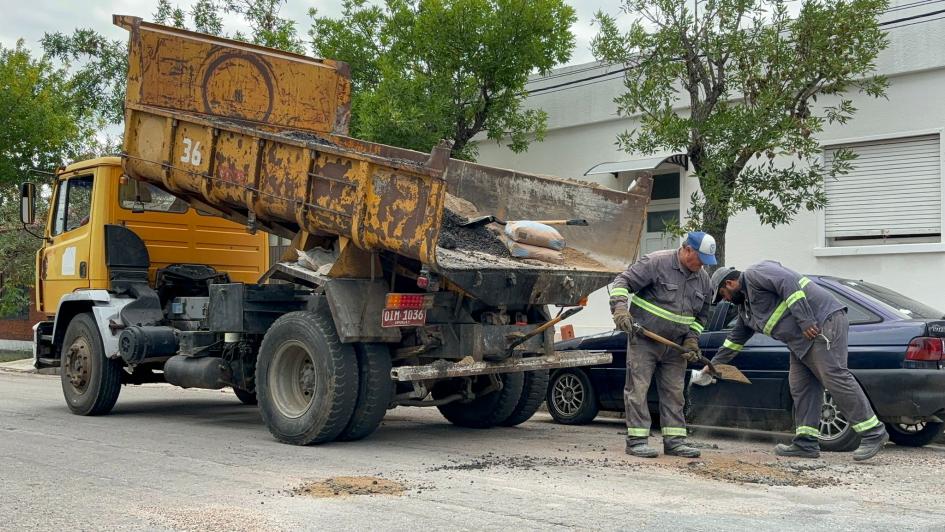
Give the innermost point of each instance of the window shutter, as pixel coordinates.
(895, 189)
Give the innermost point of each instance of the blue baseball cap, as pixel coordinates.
(704, 245)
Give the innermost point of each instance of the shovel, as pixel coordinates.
(724, 372)
(482, 220)
(517, 338)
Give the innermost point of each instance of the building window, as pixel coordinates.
(892, 196)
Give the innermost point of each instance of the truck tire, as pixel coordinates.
(534, 387)
(918, 435)
(247, 398)
(485, 411)
(571, 398)
(91, 382)
(306, 379)
(375, 390)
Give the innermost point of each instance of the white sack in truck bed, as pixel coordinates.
(535, 234)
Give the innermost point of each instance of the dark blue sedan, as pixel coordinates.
(897, 353)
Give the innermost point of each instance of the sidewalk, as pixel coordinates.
(16, 345)
(20, 366)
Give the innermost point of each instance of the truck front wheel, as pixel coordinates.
(306, 379)
(90, 381)
(486, 410)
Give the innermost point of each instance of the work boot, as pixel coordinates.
(797, 451)
(871, 445)
(640, 449)
(680, 448)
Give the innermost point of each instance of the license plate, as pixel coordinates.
(403, 317)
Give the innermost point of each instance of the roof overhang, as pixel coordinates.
(637, 165)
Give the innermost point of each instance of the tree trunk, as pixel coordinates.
(715, 222)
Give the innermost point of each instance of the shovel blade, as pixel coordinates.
(730, 373)
(479, 220)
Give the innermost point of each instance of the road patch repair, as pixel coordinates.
(350, 486)
(770, 473)
(735, 468)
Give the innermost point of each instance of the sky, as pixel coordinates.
(30, 19)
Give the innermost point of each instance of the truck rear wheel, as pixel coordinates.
(247, 398)
(534, 387)
(375, 390)
(306, 379)
(484, 411)
(91, 382)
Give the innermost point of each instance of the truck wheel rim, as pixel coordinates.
(833, 424)
(568, 394)
(78, 364)
(292, 379)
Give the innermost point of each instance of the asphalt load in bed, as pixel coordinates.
(476, 238)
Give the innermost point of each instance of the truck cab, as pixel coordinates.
(102, 223)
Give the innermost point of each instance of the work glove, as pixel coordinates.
(692, 344)
(623, 320)
(701, 377)
(692, 356)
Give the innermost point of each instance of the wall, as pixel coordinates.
(21, 329)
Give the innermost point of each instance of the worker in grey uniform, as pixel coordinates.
(787, 306)
(670, 296)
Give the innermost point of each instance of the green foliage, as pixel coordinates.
(96, 66)
(42, 118)
(169, 16)
(268, 28)
(206, 17)
(45, 125)
(424, 70)
(18, 248)
(747, 75)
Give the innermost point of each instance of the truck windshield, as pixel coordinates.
(908, 308)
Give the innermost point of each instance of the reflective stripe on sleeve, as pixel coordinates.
(696, 326)
(782, 308)
(619, 292)
(728, 344)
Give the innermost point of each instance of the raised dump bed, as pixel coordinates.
(259, 136)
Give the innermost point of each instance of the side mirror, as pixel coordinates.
(27, 203)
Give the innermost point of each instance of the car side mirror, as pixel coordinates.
(27, 203)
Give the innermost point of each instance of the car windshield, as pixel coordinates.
(908, 308)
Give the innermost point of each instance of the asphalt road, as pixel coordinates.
(171, 459)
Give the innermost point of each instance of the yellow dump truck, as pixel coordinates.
(156, 265)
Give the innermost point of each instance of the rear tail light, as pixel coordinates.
(408, 301)
(926, 349)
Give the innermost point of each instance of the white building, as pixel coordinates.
(884, 221)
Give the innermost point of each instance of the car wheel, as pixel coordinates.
(571, 398)
(914, 435)
(836, 432)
